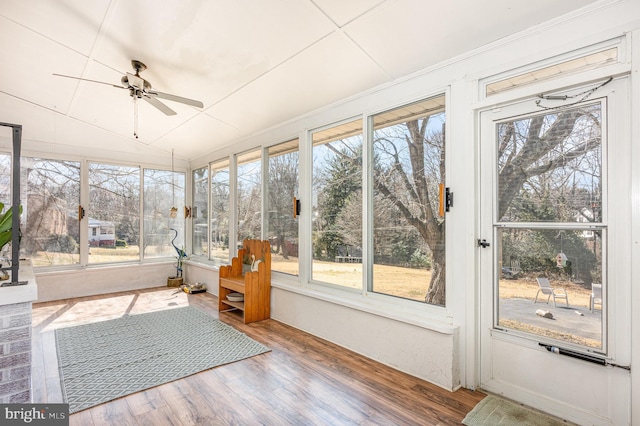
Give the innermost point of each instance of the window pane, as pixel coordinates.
(249, 198)
(199, 212)
(337, 205)
(163, 190)
(50, 199)
(5, 180)
(5, 197)
(550, 167)
(282, 226)
(572, 66)
(114, 213)
(220, 211)
(408, 231)
(571, 260)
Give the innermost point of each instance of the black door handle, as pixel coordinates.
(483, 243)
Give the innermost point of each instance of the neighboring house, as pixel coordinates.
(101, 233)
(585, 216)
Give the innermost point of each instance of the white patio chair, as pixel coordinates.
(596, 296)
(545, 288)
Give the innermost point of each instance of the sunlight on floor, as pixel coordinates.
(107, 308)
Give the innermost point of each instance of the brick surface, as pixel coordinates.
(17, 360)
(20, 346)
(15, 386)
(16, 308)
(19, 372)
(15, 334)
(20, 320)
(21, 397)
(15, 353)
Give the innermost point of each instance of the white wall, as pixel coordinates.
(101, 279)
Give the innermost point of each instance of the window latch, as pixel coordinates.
(80, 213)
(446, 199)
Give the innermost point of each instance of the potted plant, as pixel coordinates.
(177, 280)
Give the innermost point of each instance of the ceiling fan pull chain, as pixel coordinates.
(135, 118)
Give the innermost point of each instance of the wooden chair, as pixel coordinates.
(545, 288)
(254, 285)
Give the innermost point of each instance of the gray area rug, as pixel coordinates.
(496, 411)
(103, 361)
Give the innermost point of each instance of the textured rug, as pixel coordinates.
(496, 411)
(103, 361)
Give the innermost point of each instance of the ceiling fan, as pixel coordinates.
(139, 88)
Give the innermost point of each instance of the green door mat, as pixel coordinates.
(496, 411)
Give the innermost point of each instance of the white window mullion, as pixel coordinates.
(84, 202)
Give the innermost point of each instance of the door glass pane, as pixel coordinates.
(282, 226)
(113, 213)
(571, 263)
(249, 196)
(220, 211)
(163, 190)
(200, 212)
(337, 205)
(550, 171)
(408, 167)
(50, 198)
(549, 166)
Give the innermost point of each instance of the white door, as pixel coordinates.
(554, 204)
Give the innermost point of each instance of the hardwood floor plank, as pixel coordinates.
(302, 380)
(115, 412)
(145, 401)
(83, 418)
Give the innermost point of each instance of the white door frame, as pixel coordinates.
(518, 367)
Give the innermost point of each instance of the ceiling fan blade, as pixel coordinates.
(156, 103)
(175, 98)
(92, 81)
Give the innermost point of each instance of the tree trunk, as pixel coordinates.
(436, 293)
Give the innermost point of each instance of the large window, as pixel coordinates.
(249, 196)
(163, 191)
(337, 205)
(200, 212)
(408, 223)
(114, 207)
(282, 225)
(50, 196)
(220, 211)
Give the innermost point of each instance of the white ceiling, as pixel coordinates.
(253, 63)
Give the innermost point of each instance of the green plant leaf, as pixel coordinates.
(6, 224)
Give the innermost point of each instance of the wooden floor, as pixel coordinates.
(304, 380)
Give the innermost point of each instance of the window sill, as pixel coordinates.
(203, 263)
(425, 316)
